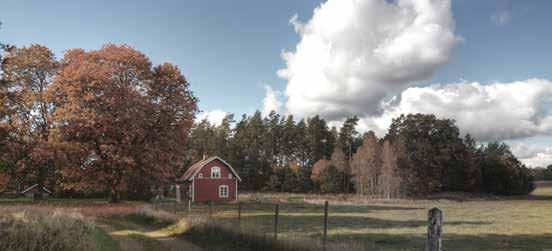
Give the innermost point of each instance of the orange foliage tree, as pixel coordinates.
(26, 122)
(127, 121)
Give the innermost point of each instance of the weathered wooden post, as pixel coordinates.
(210, 209)
(434, 229)
(276, 212)
(189, 206)
(239, 212)
(325, 223)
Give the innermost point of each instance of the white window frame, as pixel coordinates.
(230, 176)
(215, 170)
(221, 195)
(200, 176)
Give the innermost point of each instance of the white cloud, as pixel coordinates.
(533, 156)
(497, 111)
(214, 117)
(502, 17)
(271, 101)
(354, 53)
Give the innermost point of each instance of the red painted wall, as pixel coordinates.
(207, 188)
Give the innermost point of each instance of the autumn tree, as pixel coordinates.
(318, 168)
(26, 123)
(390, 180)
(129, 119)
(366, 166)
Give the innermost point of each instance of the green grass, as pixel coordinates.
(19, 200)
(104, 242)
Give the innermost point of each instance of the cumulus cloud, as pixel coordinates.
(502, 17)
(354, 53)
(214, 117)
(497, 111)
(271, 101)
(533, 155)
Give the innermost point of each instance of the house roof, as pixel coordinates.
(33, 186)
(194, 169)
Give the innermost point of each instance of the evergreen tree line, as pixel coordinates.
(420, 154)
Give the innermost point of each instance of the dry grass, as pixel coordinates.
(86, 207)
(471, 223)
(34, 229)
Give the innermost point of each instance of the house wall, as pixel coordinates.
(207, 188)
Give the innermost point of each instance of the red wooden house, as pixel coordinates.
(211, 179)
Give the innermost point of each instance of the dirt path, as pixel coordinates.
(132, 236)
(125, 242)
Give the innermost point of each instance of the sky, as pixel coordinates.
(486, 64)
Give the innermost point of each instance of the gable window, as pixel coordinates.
(229, 175)
(215, 172)
(200, 175)
(223, 191)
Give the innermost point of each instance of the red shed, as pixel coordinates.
(211, 179)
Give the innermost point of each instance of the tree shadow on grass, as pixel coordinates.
(452, 241)
(314, 223)
(310, 208)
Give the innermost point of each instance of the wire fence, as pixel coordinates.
(286, 220)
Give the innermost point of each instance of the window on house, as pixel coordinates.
(223, 191)
(200, 175)
(229, 175)
(215, 172)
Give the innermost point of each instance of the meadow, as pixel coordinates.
(470, 223)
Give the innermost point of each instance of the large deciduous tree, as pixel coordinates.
(129, 121)
(26, 122)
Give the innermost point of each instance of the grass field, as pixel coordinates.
(470, 223)
(485, 223)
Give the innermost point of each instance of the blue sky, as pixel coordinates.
(231, 50)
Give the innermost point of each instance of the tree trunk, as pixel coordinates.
(114, 195)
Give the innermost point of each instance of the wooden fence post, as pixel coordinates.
(434, 229)
(189, 206)
(177, 187)
(239, 212)
(276, 212)
(325, 223)
(210, 209)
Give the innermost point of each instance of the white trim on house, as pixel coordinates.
(29, 188)
(33, 186)
(193, 190)
(221, 193)
(221, 160)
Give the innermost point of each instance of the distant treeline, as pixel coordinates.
(420, 154)
(541, 173)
